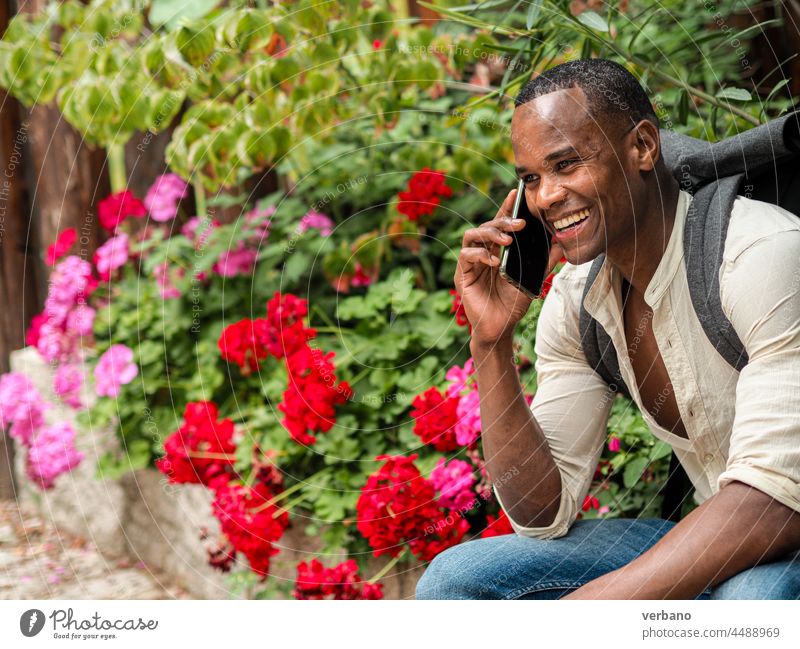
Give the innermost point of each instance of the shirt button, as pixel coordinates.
(691, 412)
(708, 457)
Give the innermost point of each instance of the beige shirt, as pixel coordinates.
(741, 426)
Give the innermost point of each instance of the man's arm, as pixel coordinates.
(513, 442)
(754, 516)
(732, 531)
(554, 444)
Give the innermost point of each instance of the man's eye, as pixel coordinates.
(564, 163)
(528, 179)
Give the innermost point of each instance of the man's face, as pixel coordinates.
(574, 165)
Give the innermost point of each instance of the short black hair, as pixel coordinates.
(614, 94)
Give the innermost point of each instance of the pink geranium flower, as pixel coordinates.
(454, 480)
(114, 369)
(111, 255)
(468, 426)
(80, 320)
(316, 220)
(163, 197)
(458, 378)
(21, 406)
(52, 453)
(239, 261)
(68, 383)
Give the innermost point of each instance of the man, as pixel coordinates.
(586, 143)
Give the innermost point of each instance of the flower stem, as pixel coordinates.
(391, 564)
(289, 506)
(287, 492)
(115, 156)
(200, 199)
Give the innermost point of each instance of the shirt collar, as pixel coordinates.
(609, 280)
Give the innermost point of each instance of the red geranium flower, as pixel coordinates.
(497, 525)
(458, 309)
(61, 247)
(436, 418)
(249, 523)
(201, 449)
(422, 197)
(32, 336)
(310, 401)
(590, 502)
(315, 581)
(398, 506)
(115, 208)
(243, 343)
(548, 281)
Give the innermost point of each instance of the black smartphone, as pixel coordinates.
(524, 260)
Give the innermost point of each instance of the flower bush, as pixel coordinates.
(306, 358)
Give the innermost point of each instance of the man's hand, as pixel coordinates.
(493, 305)
(732, 531)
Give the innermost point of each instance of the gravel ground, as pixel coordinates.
(38, 562)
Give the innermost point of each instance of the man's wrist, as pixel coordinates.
(503, 347)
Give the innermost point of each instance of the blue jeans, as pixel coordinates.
(515, 567)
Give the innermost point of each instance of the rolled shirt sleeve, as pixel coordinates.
(760, 292)
(571, 403)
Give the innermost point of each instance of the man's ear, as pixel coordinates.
(647, 143)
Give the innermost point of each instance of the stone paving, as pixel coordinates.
(38, 562)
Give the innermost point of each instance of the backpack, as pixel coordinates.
(762, 163)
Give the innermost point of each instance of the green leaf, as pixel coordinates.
(533, 13)
(734, 94)
(593, 21)
(169, 12)
(634, 470)
(660, 449)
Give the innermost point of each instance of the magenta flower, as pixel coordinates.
(111, 255)
(613, 444)
(68, 383)
(21, 406)
(114, 369)
(316, 220)
(198, 230)
(163, 197)
(69, 282)
(52, 453)
(454, 481)
(458, 378)
(259, 220)
(80, 320)
(468, 426)
(239, 261)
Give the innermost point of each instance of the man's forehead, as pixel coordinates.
(554, 117)
(561, 111)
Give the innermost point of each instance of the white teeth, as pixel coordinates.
(569, 220)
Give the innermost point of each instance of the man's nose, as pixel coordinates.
(549, 192)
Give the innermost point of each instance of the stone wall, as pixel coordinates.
(141, 517)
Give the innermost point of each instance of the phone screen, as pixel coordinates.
(524, 260)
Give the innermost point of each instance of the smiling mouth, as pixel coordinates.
(572, 221)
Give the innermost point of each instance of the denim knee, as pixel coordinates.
(448, 576)
(777, 580)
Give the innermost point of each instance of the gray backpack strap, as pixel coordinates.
(597, 344)
(703, 244)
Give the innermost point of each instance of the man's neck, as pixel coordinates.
(637, 262)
